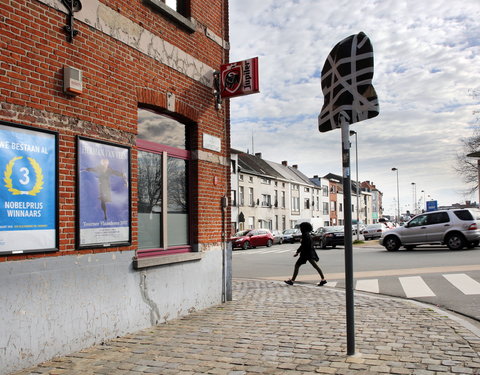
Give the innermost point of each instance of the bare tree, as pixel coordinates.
(467, 166)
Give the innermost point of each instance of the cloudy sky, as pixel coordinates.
(427, 62)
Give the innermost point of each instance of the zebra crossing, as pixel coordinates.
(410, 286)
(416, 286)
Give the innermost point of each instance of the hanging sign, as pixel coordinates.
(28, 198)
(239, 78)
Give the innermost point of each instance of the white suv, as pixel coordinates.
(455, 228)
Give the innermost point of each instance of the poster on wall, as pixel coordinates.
(103, 202)
(28, 186)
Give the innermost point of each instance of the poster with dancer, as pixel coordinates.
(28, 189)
(103, 194)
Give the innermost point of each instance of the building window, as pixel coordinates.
(333, 206)
(250, 179)
(266, 200)
(163, 162)
(325, 208)
(177, 11)
(283, 199)
(241, 196)
(250, 197)
(307, 203)
(266, 181)
(295, 203)
(240, 177)
(325, 190)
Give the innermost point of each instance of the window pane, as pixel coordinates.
(172, 4)
(177, 218)
(149, 200)
(161, 129)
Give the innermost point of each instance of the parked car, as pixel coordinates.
(374, 231)
(328, 236)
(252, 238)
(288, 235)
(297, 235)
(277, 237)
(456, 228)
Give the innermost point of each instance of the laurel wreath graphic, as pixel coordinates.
(38, 174)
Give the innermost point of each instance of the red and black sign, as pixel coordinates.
(239, 78)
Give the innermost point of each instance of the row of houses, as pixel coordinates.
(275, 196)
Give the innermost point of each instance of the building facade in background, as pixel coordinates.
(276, 196)
(115, 170)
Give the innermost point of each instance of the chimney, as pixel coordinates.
(295, 166)
(316, 176)
(285, 163)
(258, 155)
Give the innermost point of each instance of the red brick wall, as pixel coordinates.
(116, 78)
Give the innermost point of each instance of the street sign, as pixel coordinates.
(432, 206)
(349, 97)
(239, 78)
(347, 83)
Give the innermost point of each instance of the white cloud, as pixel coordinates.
(427, 58)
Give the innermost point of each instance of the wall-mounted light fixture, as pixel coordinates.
(72, 7)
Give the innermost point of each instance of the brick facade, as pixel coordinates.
(132, 53)
(116, 79)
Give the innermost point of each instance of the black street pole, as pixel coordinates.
(347, 204)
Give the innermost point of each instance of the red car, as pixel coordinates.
(249, 238)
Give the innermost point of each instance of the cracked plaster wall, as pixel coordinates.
(112, 23)
(57, 305)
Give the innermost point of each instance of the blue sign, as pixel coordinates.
(432, 206)
(27, 190)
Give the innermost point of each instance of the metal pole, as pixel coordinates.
(347, 202)
(478, 187)
(358, 187)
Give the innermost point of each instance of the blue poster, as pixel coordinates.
(27, 190)
(104, 204)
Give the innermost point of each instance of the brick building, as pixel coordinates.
(115, 170)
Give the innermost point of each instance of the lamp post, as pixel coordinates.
(398, 196)
(414, 185)
(353, 132)
(424, 201)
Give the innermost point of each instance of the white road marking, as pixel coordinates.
(464, 283)
(368, 285)
(414, 286)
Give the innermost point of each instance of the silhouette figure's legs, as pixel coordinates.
(315, 265)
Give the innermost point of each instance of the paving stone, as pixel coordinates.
(250, 335)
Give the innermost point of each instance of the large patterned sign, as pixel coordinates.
(103, 194)
(347, 84)
(28, 190)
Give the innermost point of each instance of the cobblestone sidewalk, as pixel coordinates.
(271, 328)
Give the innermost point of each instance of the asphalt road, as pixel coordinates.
(435, 275)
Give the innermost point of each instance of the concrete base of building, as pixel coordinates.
(53, 306)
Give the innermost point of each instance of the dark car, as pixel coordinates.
(288, 235)
(246, 239)
(328, 236)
